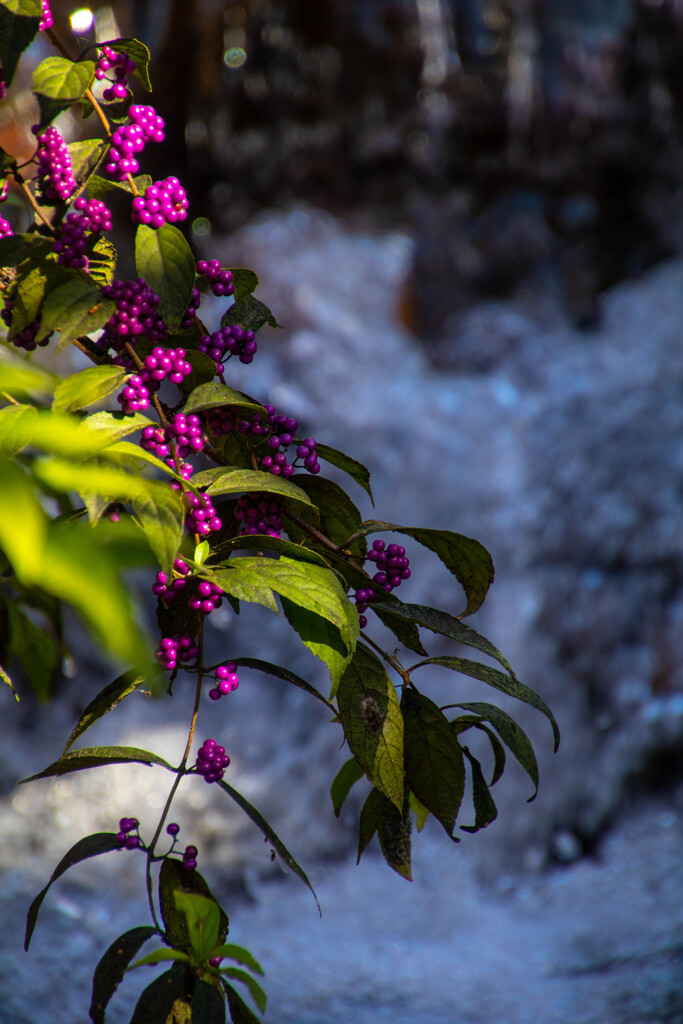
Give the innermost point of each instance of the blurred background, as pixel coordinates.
(468, 216)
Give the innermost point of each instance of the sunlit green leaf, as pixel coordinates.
(82, 389)
(215, 395)
(58, 83)
(174, 878)
(203, 921)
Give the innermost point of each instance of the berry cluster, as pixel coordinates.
(208, 597)
(220, 281)
(233, 340)
(135, 395)
(136, 314)
(174, 649)
(26, 338)
(211, 761)
(166, 590)
(46, 21)
(192, 307)
(219, 421)
(201, 516)
(5, 228)
(259, 513)
(54, 180)
(392, 563)
(282, 430)
(93, 216)
(190, 858)
(146, 126)
(226, 680)
(186, 432)
(123, 837)
(123, 65)
(164, 201)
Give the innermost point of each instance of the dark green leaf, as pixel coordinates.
(105, 701)
(270, 835)
(348, 465)
(165, 260)
(214, 395)
(90, 846)
(402, 628)
(75, 307)
(140, 54)
(112, 967)
(58, 83)
(250, 313)
(96, 757)
(260, 542)
(512, 735)
(372, 722)
(347, 776)
(208, 1004)
(82, 389)
(245, 282)
(484, 807)
(255, 990)
(283, 673)
(239, 1011)
(203, 371)
(393, 832)
(85, 156)
(16, 248)
(98, 187)
(203, 921)
(433, 759)
(173, 878)
(370, 817)
(499, 681)
(339, 517)
(156, 1003)
(19, 23)
(37, 651)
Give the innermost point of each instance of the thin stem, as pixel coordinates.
(19, 178)
(394, 662)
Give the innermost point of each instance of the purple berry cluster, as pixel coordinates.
(125, 840)
(46, 21)
(171, 650)
(186, 432)
(190, 858)
(5, 228)
(220, 281)
(93, 216)
(259, 513)
(163, 202)
(55, 180)
(169, 590)
(136, 314)
(201, 516)
(208, 597)
(25, 338)
(282, 430)
(122, 65)
(211, 761)
(135, 395)
(226, 680)
(191, 311)
(128, 140)
(219, 421)
(229, 341)
(393, 568)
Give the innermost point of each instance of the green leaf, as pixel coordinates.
(74, 308)
(203, 921)
(23, 548)
(433, 759)
(159, 998)
(112, 968)
(240, 955)
(101, 255)
(6, 679)
(201, 552)
(36, 650)
(58, 83)
(28, 296)
(90, 846)
(421, 812)
(261, 542)
(208, 1004)
(270, 835)
(403, 629)
(158, 956)
(109, 427)
(161, 512)
(339, 517)
(89, 386)
(215, 395)
(17, 375)
(105, 701)
(174, 878)
(239, 1011)
(465, 558)
(485, 810)
(16, 248)
(96, 757)
(245, 282)
(241, 586)
(140, 54)
(283, 673)
(347, 776)
(165, 260)
(393, 832)
(321, 637)
(512, 735)
(85, 156)
(511, 686)
(255, 990)
(249, 313)
(228, 480)
(344, 462)
(19, 23)
(372, 722)
(370, 817)
(465, 722)
(98, 187)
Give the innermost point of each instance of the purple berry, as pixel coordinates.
(173, 829)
